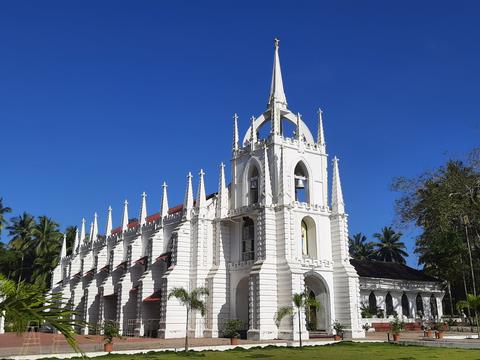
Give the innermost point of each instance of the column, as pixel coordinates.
(412, 303)
(397, 302)
(380, 296)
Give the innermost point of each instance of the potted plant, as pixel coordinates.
(397, 326)
(366, 327)
(427, 329)
(231, 331)
(439, 329)
(110, 330)
(338, 330)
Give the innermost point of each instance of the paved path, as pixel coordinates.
(38, 345)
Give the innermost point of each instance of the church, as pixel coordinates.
(268, 233)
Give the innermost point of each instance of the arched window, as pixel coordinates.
(405, 306)
(433, 306)
(309, 238)
(248, 239)
(389, 304)
(419, 302)
(253, 185)
(304, 238)
(301, 183)
(372, 303)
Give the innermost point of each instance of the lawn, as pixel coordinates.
(341, 351)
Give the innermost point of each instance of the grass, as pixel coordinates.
(340, 351)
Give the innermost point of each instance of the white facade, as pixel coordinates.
(270, 234)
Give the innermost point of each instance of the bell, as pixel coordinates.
(299, 183)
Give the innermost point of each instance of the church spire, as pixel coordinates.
(63, 251)
(90, 235)
(76, 244)
(201, 196)
(108, 229)
(188, 202)
(95, 228)
(277, 94)
(82, 231)
(338, 206)
(297, 130)
(267, 186)
(143, 209)
(320, 133)
(235, 132)
(222, 199)
(125, 216)
(164, 207)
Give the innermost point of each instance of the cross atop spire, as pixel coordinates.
(277, 94)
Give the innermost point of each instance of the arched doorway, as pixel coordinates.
(419, 303)
(318, 319)
(405, 306)
(242, 304)
(372, 303)
(433, 306)
(389, 305)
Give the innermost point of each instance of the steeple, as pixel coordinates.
(125, 216)
(188, 202)
(253, 133)
(76, 245)
(202, 200)
(267, 187)
(95, 228)
(143, 210)
(90, 235)
(108, 228)
(277, 94)
(63, 251)
(338, 206)
(82, 231)
(320, 133)
(235, 132)
(297, 131)
(164, 207)
(222, 198)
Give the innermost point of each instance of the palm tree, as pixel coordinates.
(300, 303)
(389, 246)
(21, 231)
(70, 233)
(3, 210)
(47, 236)
(192, 301)
(472, 302)
(24, 303)
(359, 248)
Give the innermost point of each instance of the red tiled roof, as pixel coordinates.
(156, 216)
(153, 217)
(156, 296)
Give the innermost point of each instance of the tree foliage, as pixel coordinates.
(445, 205)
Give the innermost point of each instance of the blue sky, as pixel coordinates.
(100, 101)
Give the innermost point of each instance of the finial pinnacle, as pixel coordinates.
(235, 116)
(276, 41)
(201, 173)
(189, 175)
(164, 184)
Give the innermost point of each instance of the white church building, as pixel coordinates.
(269, 233)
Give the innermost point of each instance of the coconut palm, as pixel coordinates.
(192, 300)
(70, 233)
(3, 210)
(300, 303)
(47, 236)
(21, 231)
(25, 303)
(389, 247)
(472, 302)
(359, 248)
